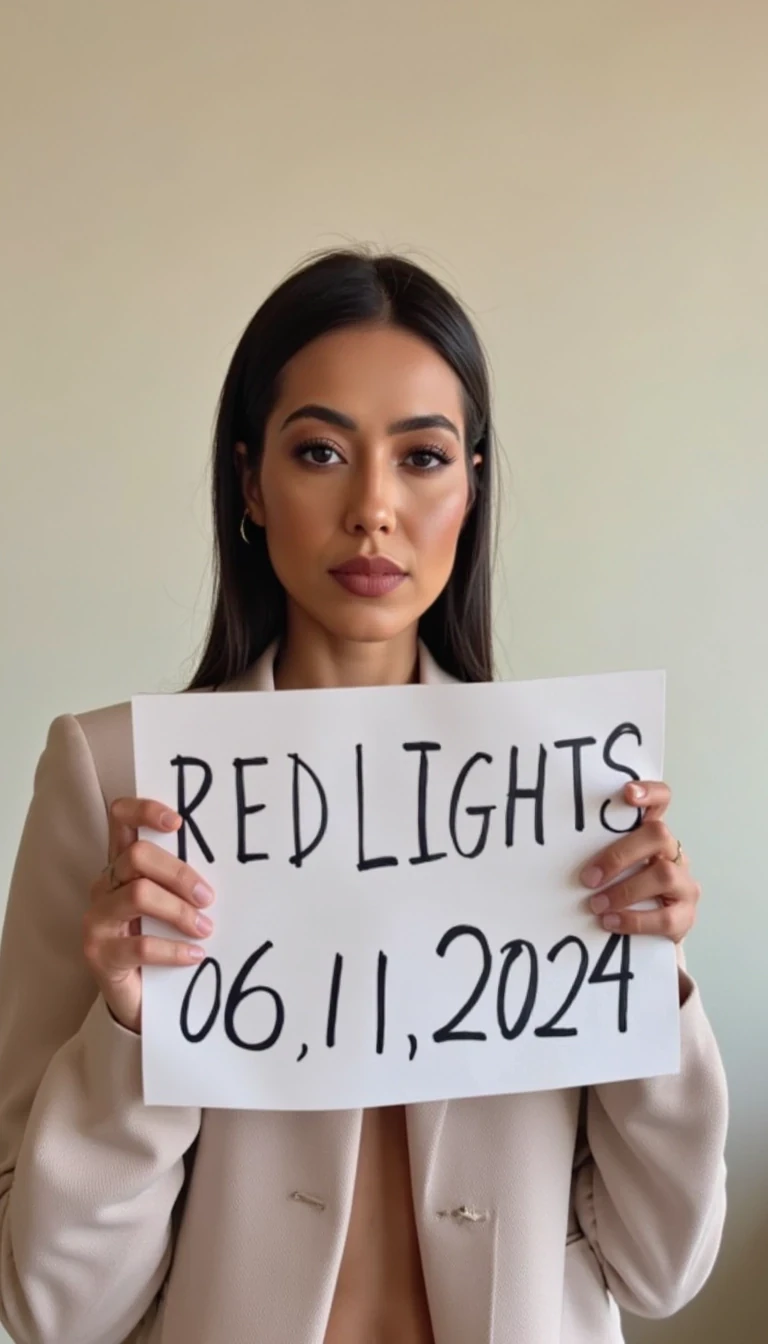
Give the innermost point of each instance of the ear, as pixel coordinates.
(249, 483)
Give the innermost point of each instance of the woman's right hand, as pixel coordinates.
(141, 879)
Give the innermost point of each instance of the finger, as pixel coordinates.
(651, 839)
(123, 954)
(144, 899)
(652, 795)
(660, 878)
(673, 921)
(144, 859)
(126, 815)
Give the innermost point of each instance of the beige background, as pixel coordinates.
(592, 177)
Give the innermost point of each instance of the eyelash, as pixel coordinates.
(436, 453)
(302, 449)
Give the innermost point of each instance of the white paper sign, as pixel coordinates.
(398, 913)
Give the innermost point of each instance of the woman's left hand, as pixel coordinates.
(665, 876)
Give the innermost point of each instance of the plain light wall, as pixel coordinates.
(591, 176)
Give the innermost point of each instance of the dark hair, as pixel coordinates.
(341, 289)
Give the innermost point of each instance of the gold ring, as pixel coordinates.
(679, 855)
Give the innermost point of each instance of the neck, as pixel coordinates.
(311, 658)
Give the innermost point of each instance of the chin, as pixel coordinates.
(368, 627)
(364, 620)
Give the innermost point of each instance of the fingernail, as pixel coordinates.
(195, 953)
(599, 904)
(167, 821)
(202, 893)
(637, 791)
(592, 877)
(611, 922)
(203, 924)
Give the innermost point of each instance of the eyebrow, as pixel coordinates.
(312, 411)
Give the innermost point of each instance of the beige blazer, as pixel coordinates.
(98, 1248)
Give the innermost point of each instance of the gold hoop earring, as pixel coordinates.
(242, 528)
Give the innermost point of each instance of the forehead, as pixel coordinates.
(372, 373)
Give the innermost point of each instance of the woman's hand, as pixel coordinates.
(141, 879)
(665, 875)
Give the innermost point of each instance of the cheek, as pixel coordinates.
(292, 515)
(435, 530)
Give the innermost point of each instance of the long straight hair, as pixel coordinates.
(334, 290)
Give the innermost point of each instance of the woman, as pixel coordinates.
(353, 442)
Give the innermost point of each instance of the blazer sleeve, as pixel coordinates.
(650, 1196)
(88, 1175)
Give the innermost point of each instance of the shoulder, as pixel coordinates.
(107, 735)
(91, 751)
(106, 730)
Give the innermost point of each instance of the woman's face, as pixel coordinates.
(362, 486)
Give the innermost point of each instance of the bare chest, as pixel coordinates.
(380, 1295)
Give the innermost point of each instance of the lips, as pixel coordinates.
(369, 575)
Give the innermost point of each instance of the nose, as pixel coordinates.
(371, 505)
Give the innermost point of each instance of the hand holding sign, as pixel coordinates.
(399, 912)
(662, 877)
(140, 880)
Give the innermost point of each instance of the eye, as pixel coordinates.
(428, 458)
(318, 453)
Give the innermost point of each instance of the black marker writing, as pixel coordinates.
(333, 1002)
(363, 864)
(536, 793)
(423, 855)
(381, 1002)
(623, 730)
(244, 809)
(299, 853)
(526, 988)
(576, 744)
(484, 812)
(186, 809)
(237, 995)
